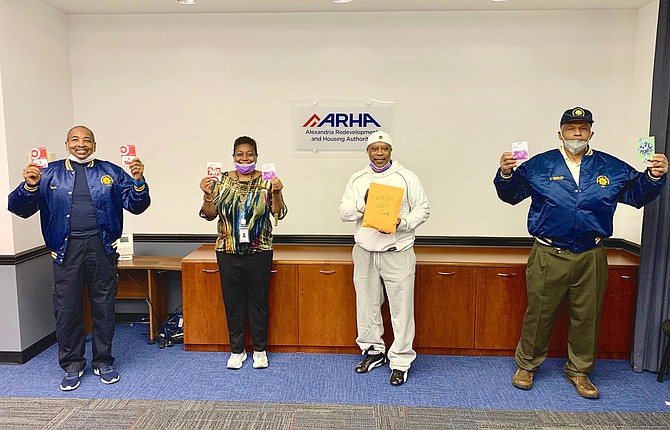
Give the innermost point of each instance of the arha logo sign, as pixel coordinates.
(341, 119)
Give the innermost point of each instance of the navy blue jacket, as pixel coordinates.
(575, 217)
(112, 190)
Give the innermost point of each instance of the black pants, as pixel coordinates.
(245, 283)
(86, 263)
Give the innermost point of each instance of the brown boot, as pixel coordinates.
(523, 379)
(584, 387)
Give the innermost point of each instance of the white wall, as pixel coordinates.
(36, 96)
(467, 84)
(36, 103)
(6, 233)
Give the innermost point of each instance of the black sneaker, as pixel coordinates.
(398, 377)
(370, 361)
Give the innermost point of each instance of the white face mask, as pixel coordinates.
(575, 146)
(84, 161)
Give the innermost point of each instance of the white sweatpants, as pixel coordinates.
(395, 271)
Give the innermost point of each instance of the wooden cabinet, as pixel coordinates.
(468, 301)
(283, 302)
(619, 307)
(205, 327)
(501, 305)
(327, 306)
(617, 321)
(444, 307)
(507, 307)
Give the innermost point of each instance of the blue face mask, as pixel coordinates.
(245, 169)
(380, 169)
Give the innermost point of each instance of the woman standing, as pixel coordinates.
(244, 203)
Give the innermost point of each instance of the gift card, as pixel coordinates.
(39, 157)
(128, 153)
(520, 151)
(214, 170)
(269, 171)
(646, 148)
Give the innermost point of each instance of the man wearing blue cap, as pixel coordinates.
(574, 192)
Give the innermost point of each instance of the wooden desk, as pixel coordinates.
(140, 279)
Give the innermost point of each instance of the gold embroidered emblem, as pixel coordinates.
(106, 180)
(556, 178)
(577, 112)
(603, 181)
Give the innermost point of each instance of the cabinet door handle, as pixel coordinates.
(446, 273)
(626, 277)
(210, 270)
(507, 275)
(327, 272)
(274, 271)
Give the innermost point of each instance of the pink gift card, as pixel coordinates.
(214, 170)
(269, 171)
(39, 157)
(128, 153)
(520, 151)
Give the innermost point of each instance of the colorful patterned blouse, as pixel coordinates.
(244, 203)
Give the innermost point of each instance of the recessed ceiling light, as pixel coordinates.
(498, 0)
(187, 1)
(341, 1)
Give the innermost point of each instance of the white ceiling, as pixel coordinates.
(79, 7)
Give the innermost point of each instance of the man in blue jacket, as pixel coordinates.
(574, 192)
(81, 201)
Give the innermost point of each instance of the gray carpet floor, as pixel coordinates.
(112, 414)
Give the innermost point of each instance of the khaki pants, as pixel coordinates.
(550, 275)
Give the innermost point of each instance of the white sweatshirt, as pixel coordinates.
(414, 209)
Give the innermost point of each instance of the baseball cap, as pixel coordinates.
(577, 114)
(380, 136)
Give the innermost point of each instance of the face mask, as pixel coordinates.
(380, 169)
(84, 161)
(575, 146)
(245, 169)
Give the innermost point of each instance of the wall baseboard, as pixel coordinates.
(43, 344)
(12, 260)
(31, 352)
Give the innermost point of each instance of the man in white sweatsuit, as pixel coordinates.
(385, 260)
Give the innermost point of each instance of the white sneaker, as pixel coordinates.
(235, 361)
(260, 360)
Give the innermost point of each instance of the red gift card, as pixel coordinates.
(39, 157)
(128, 153)
(214, 170)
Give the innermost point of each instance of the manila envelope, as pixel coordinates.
(383, 207)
